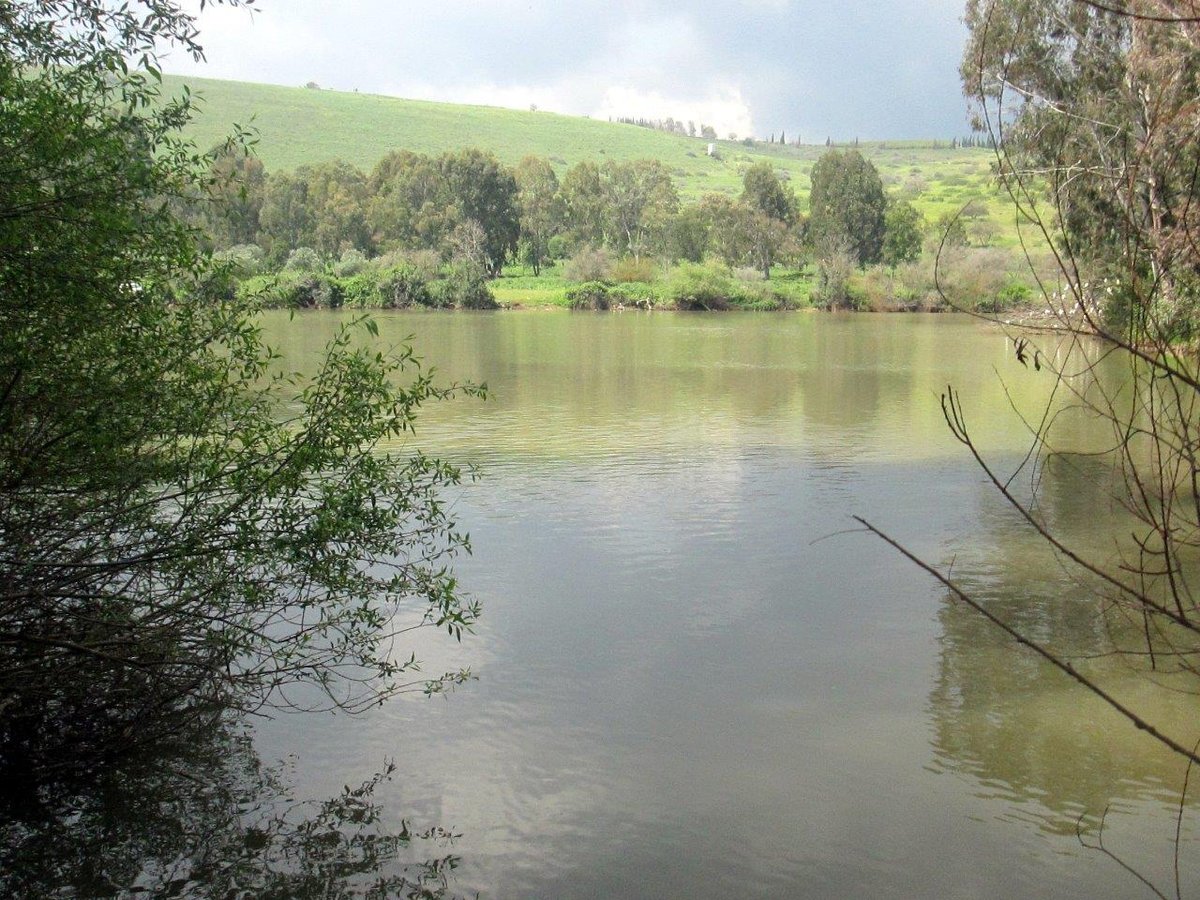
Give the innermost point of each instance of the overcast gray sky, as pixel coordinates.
(814, 68)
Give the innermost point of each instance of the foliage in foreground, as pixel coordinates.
(171, 545)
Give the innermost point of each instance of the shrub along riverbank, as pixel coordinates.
(974, 279)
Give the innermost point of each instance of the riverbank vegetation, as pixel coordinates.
(462, 230)
(944, 186)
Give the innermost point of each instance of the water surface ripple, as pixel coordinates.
(692, 680)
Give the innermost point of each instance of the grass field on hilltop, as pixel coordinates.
(299, 125)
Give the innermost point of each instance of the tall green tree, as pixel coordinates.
(285, 219)
(904, 231)
(323, 206)
(725, 238)
(418, 202)
(763, 190)
(688, 234)
(742, 234)
(1091, 110)
(1096, 109)
(181, 533)
(485, 192)
(406, 208)
(583, 199)
(336, 195)
(848, 205)
(540, 206)
(640, 199)
(233, 200)
(768, 239)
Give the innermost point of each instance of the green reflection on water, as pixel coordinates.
(851, 405)
(568, 386)
(1015, 724)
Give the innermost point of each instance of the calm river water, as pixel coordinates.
(694, 679)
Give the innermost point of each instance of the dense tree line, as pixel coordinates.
(472, 211)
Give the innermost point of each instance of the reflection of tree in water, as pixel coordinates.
(209, 821)
(849, 372)
(1021, 728)
(1030, 736)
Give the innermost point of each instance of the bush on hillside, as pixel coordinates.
(885, 290)
(462, 284)
(1013, 293)
(426, 263)
(980, 279)
(403, 286)
(835, 264)
(361, 291)
(400, 287)
(316, 292)
(293, 290)
(973, 279)
(760, 297)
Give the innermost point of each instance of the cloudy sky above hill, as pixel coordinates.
(815, 69)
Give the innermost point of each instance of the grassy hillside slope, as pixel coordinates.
(302, 125)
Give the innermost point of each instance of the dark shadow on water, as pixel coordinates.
(207, 818)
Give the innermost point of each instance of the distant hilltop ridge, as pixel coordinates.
(301, 125)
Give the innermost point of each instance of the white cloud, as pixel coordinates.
(873, 68)
(511, 96)
(250, 45)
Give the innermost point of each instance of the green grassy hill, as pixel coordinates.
(302, 125)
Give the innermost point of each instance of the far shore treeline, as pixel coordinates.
(463, 230)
